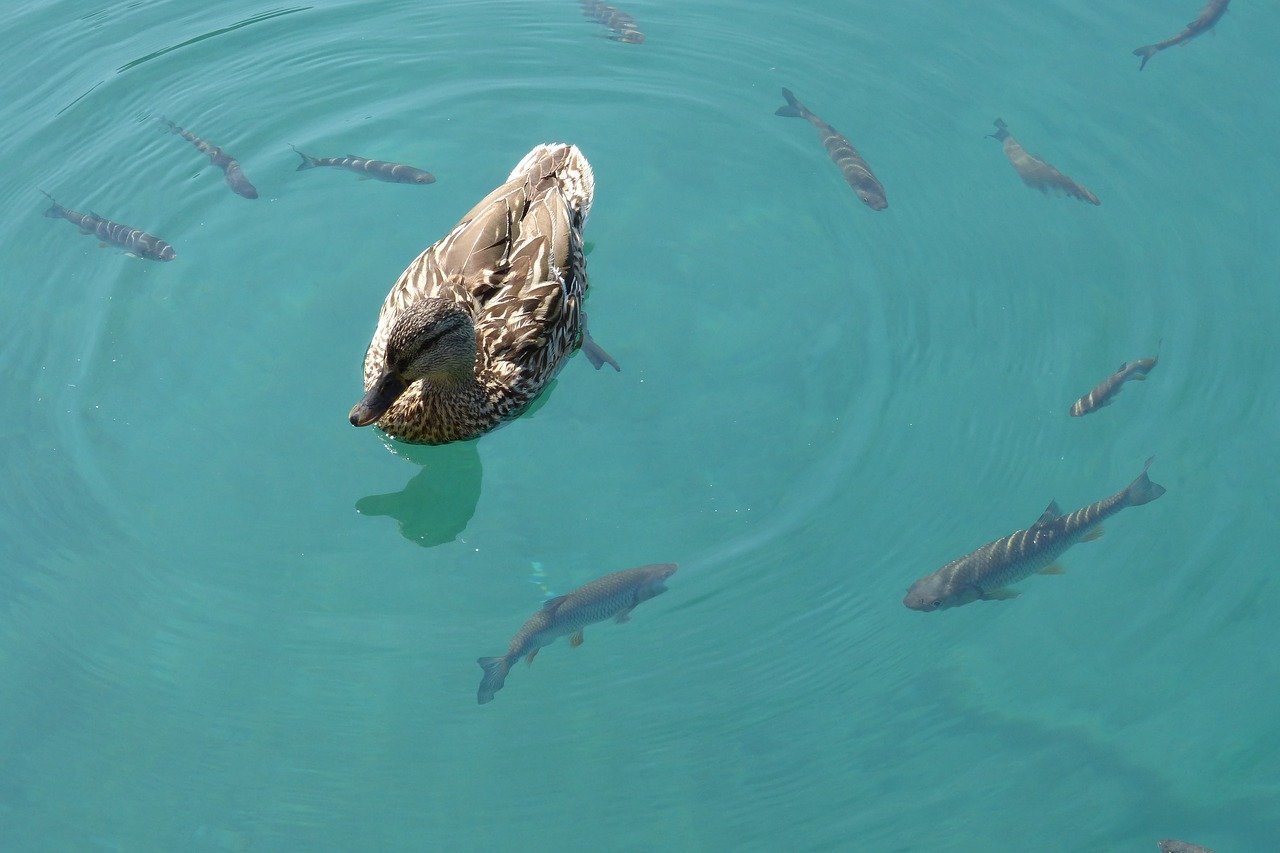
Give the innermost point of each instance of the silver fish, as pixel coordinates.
(841, 151)
(133, 241)
(623, 25)
(1209, 15)
(1036, 172)
(614, 595)
(987, 573)
(1108, 388)
(230, 168)
(1169, 845)
(395, 173)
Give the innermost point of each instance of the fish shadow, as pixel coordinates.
(438, 502)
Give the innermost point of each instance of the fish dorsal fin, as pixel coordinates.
(552, 603)
(1051, 512)
(1123, 365)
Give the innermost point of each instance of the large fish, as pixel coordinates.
(1209, 15)
(230, 168)
(842, 153)
(1036, 172)
(613, 596)
(395, 173)
(987, 573)
(133, 241)
(1108, 388)
(1170, 845)
(623, 25)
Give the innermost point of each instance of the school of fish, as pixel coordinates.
(985, 574)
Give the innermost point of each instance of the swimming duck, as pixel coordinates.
(481, 321)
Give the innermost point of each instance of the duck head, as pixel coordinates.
(433, 340)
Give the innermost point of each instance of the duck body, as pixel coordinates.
(507, 282)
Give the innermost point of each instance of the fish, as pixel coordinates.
(623, 25)
(1036, 172)
(842, 153)
(613, 596)
(1209, 15)
(395, 173)
(1169, 845)
(987, 573)
(230, 168)
(137, 243)
(1108, 388)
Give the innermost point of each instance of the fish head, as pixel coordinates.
(423, 178)
(931, 593)
(239, 183)
(872, 196)
(656, 580)
(167, 253)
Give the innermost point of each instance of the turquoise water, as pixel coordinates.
(231, 621)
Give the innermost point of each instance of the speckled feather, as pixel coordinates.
(516, 261)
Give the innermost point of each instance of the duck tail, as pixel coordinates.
(792, 108)
(569, 167)
(308, 162)
(495, 675)
(1146, 52)
(1142, 490)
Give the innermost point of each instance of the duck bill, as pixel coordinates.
(385, 391)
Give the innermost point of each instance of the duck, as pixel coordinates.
(483, 319)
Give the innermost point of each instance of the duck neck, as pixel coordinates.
(455, 387)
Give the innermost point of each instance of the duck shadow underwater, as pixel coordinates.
(437, 503)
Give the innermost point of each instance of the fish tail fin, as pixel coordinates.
(495, 675)
(1142, 490)
(52, 212)
(793, 108)
(1146, 52)
(1002, 130)
(308, 162)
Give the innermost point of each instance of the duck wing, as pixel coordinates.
(529, 312)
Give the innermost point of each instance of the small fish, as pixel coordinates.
(1209, 15)
(135, 242)
(987, 573)
(842, 153)
(623, 25)
(614, 595)
(230, 168)
(1108, 388)
(395, 173)
(1169, 845)
(1036, 172)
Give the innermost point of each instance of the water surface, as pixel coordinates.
(231, 621)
